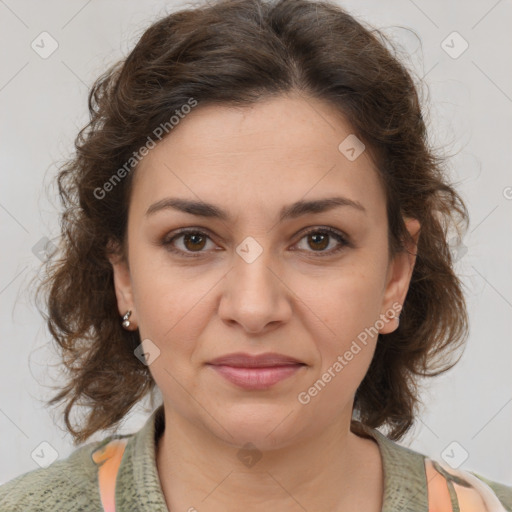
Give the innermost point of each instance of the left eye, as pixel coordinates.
(320, 238)
(195, 241)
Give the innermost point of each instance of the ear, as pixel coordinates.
(399, 276)
(122, 284)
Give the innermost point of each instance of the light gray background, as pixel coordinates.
(43, 105)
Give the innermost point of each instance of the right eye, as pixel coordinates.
(192, 240)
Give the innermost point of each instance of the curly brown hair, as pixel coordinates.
(238, 52)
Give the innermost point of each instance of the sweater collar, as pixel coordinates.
(138, 481)
(405, 482)
(138, 485)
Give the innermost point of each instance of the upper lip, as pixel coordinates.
(243, 360)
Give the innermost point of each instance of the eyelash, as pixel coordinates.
(342, 239)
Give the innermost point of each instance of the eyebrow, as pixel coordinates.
(292, 211)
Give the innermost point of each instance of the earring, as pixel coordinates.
(126, 323)
(397, 321)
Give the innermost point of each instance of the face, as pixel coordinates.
(276, 272)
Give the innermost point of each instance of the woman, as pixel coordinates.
(255, 226)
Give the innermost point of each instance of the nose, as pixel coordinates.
(255, 295)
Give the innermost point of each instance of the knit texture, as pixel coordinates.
(71, 484)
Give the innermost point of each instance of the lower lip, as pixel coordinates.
(256, 378)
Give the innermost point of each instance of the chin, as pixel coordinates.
(265, 427)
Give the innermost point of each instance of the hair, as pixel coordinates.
(237, 53)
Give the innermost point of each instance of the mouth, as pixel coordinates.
(256, 372)
(243, 360)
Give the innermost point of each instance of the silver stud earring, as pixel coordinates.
(126, 323)
(397, 321)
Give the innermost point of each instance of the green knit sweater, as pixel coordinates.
(72, 483)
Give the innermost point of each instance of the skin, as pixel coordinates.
(251, 162)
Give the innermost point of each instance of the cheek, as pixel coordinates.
(172, 316)
(344, 320)
(174, 307)
(349, 301)
(345, 343)
(165, 296)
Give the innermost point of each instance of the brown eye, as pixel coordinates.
(192, 241)
(319, 239)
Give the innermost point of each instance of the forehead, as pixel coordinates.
(270, 153)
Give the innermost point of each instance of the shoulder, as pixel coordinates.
(466, 489)
(64, 485)
(419, 480)
(489, 489)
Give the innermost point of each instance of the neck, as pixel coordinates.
(328, 471)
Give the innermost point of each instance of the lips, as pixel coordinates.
(244, 360)
(257, 372)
